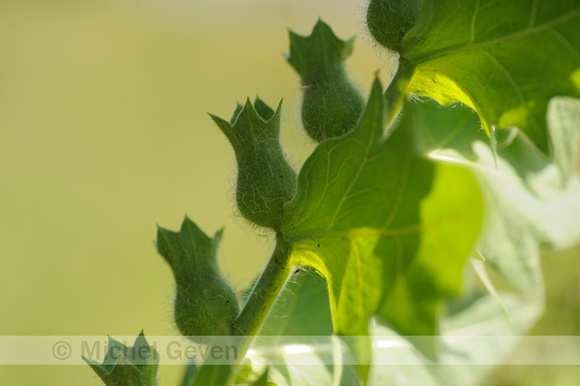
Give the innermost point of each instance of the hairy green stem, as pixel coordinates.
(263, 295)
(397, 90)
(265, 291)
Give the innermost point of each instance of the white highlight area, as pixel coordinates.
(389, 343)
(297, 349)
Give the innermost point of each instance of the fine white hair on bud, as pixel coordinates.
(331, 104)
(265, 180)
(204, 303)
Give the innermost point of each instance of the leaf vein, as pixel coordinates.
(573, 50)
(363, 163)
(474, 17)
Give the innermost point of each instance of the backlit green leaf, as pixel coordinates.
(389, 229)
(263, 380)
(522, 195)
(302, 309)
(505, 59)
(215, 375)
(529, 200)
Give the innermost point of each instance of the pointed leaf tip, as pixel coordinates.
(264, 111)
(236, 112)
(311, 61)
(377, 88)
(321, 25)
(248, 116)
(223, 125)
(217, 237)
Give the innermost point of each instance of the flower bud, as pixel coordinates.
(265, 180)
(331, 103)
(390, 20)
(124, 365)
(204, 301)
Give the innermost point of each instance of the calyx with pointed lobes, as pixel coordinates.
(204, 303)
(265, 179)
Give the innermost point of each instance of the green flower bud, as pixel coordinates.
(204, 301)
(265, 180)
(331, 104)
(390, 20)
(124, 365)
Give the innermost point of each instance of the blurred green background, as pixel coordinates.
(104, 134)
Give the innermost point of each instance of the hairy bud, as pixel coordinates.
(331, 105)
(265, 180)
(390, 20)
(204, 301)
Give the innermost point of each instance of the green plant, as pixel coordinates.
(468, 156)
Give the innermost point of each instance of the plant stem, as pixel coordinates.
(395, 93)
(263, 295)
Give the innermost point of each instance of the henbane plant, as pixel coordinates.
(462, 167)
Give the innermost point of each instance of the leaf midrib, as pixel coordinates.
(470, 46)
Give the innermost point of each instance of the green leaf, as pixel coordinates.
(204, 301)
(529, 200)
(332, 104)
(124, 366)
(302, 309)
(504, 59)
(189, 374)
(521, 194)
(263, 380)
(382, 225)
(214, 375)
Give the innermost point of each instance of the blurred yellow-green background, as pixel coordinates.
(104, 134)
